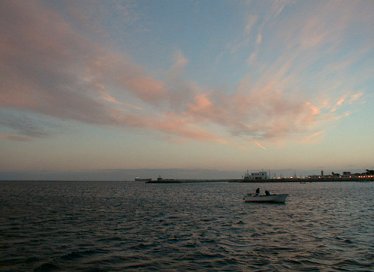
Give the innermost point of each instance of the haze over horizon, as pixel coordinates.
(227, 85)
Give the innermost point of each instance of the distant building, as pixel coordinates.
(262, 175)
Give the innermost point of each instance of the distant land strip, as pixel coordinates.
(300, 180)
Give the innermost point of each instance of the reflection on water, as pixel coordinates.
(127, 225)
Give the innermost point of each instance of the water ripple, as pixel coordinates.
(116, 226)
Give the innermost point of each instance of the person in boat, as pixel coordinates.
(257, 191)
(267, 193)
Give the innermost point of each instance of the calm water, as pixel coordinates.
(117, 226)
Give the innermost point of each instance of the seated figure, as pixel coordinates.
(257, 191)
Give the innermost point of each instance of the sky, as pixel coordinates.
(157, 84)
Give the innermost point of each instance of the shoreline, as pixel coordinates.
(281, 180)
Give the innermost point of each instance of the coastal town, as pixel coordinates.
(368, 175)
(265, 176)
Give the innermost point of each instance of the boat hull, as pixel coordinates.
(279, 198)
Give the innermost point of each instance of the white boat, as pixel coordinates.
(274, 198)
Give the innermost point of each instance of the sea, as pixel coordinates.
(134, 226)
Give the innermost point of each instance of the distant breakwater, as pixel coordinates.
(192, 180)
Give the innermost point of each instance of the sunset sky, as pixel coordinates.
(228, 85)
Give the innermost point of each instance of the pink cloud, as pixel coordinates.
(355, 97)
(251, 21)
(347, 98)
(115, 70)
(202, 104)
(340, 101)
(180, 60)
(47, 67)
(263, 113)
(177, 125)
(15, 137)
(313, 138)
(260, 145)
(168, 123)
(147, 88)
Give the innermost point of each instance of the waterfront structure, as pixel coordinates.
(262, 175)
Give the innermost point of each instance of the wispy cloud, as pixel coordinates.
(49, 67)
(20, 127)
(347, 98)
(260, 145)
(313, 138)
(259, 113)
(15, 137)
(180, 60)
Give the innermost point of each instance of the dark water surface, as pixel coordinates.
(117, 226)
